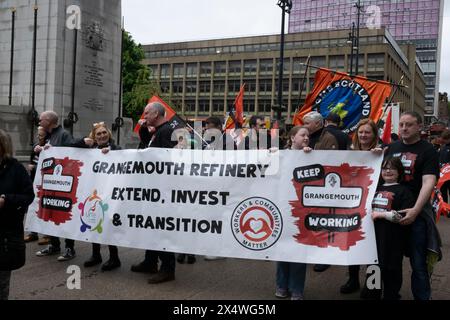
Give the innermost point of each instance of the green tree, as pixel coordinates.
(137, 82)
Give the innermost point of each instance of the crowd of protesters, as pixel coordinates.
(405, 228)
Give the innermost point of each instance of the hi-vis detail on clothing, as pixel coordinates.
(284, 206)
(351, 98)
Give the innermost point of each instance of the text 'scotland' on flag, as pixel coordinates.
(351, 98)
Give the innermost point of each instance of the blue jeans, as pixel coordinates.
(291, 276)
(420, 279)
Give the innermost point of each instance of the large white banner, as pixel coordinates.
(284, 206)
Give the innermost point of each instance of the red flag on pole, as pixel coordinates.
(171, 115)
(238, 110)
(387, 128)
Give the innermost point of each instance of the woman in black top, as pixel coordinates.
(101, 138)
(16, 194)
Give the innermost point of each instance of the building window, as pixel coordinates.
(165, 87)
(205, 87)
(220, 68)
(165, 71)
(189, 105)
(375, 62)
(153, 68)
(218, 106)
(203, 106)
(177, 87)
(234, 67)
(219, 87)
(250, 85)
(250, 67)
(234, 86)
(264, 106)
(205, 69)
(191, 70)
(178, 70)
(191, 87)
(266, 66)
(336, 62)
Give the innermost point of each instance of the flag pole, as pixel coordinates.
(302, 85)
(399, 84)
(196, 133)
(365, 78)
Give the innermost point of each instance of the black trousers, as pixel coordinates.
(353, 272)
(113, 251)
(57, 244)
(392, 283)
(167, 260)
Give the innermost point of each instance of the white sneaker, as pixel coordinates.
(211, 258)
(69, 254)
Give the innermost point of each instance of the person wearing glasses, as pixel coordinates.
(258, 137)
(421, 164)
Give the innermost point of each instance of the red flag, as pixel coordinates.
(238, 110)
(387, 128)
(239, 105)
(171, 115)
(351, 98)
(436, 197)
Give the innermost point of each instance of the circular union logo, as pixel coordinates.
(256, 223)
(92, 213)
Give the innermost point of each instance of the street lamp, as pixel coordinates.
(286, 6)
(358, 7)
(351, 41)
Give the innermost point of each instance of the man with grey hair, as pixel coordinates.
(57, 137)
(314, 122)
(154, 115)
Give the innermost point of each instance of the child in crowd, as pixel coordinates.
(290, 275)
(391, 236)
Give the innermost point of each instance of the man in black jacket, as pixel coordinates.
(57, 137)
(332, 138)
(154, 114)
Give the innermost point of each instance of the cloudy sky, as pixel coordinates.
(152, 21)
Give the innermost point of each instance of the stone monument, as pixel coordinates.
(77, 65)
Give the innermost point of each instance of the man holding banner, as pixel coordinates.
(154, 115)
(420, 161)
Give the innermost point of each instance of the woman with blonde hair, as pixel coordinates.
(365, 138)
(100, 137)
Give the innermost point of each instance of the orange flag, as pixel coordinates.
(238, 112)
(387, 128)
(351, 98)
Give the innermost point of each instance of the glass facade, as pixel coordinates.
(416, 21)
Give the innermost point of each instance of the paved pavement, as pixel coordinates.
(237, 279)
